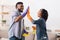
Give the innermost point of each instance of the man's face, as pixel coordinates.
(20, 7)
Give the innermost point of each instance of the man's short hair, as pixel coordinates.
(18, 3)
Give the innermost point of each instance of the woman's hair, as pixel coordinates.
(44, 14)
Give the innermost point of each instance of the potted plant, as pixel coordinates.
(3, 21)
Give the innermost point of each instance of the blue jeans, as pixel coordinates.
(15, 38)
(42, 37)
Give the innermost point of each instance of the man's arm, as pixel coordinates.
(18, 18)
(21, 16)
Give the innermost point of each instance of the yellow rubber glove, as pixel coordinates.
(25, 35)
(34, 29)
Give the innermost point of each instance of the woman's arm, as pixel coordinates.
(31, 19)
(28, 16)
(21, 16)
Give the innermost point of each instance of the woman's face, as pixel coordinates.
(39, 13)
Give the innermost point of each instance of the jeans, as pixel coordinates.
(15, 38)
(42, 38)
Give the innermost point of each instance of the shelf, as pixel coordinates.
(4, 13)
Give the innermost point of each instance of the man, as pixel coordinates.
(16, 23)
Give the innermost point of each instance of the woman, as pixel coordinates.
(40, 24)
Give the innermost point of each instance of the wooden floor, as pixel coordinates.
(3, 35)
